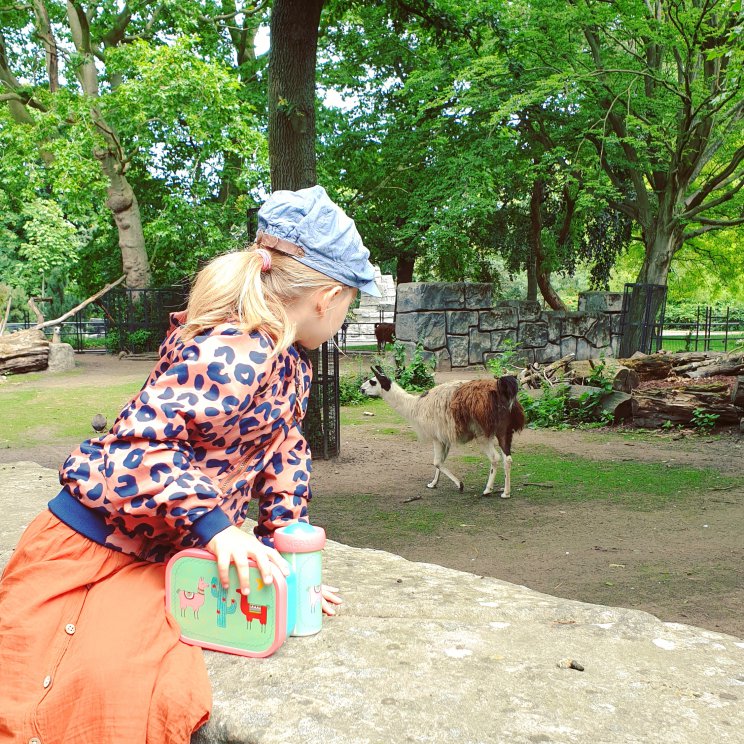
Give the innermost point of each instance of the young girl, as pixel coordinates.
(87, 650)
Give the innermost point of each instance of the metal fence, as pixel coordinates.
(710, 330)
(642, 319)
(137, 320)
(323, 418)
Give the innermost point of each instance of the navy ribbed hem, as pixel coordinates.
(80, 518)
(206, 527)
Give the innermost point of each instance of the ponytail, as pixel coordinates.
(239, 287)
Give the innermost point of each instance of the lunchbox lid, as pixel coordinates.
(223, 619)
(299, 537)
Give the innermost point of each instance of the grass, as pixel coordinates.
(641, 486)
(33, 413)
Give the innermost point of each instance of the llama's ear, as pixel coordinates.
(382, 378)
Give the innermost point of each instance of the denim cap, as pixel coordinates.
(328, 240)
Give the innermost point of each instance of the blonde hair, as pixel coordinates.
(234, 287)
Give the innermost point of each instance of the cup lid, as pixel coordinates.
(299, 537)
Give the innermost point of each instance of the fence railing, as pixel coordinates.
(709, 331)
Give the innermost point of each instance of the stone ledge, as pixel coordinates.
(422, 653)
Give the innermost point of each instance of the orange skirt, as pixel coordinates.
(88, 652)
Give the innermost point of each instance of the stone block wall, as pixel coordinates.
(463, 325)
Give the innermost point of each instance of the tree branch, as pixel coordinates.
(707, 228)
(699, 196)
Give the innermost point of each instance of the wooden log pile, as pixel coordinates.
(655, 388)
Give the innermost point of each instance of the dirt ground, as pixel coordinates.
(682, 562)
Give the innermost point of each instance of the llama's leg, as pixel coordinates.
(505, 441)
(492, 453)
(441, 450)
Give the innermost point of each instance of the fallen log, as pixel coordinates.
(617, 403)
(623, 378)
(653, 407)
(730, 364)
(23, 351)
(649, 366)
(737, 392)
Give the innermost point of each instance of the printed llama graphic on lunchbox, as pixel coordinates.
(224, 619)
(257, 624)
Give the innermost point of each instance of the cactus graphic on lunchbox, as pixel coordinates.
(224, 619)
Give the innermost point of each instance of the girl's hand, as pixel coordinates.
(329, 599)
(235, 546)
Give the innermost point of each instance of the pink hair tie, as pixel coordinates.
(266, 257)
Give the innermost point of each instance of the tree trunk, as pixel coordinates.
(123, 204)
(542, 276)
(646, 304)
(294, 40)
(404, 269)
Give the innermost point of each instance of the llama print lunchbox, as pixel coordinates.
(224, 619)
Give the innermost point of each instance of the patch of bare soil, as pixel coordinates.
(681, 563)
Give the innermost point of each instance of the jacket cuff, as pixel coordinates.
(206, 527)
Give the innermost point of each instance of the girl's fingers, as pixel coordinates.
(276, 558)
(223, 569)
(264, 566)
(328, 608)
(244, 576)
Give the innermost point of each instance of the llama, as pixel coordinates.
(384, 333)
(459, 411)
(194, 600)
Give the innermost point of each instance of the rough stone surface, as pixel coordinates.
(458, 349)
(599, 334)
(528, 309)
(498, 319)
(430, 296)
(61, 358)
(616, 323)
(555, 325)
(421, 653)
(548, 353)
(459, 322)
(578, 324)
(568, 345)
(426, 327)
(533, 334)
(601, 302)
(480, 343)
(500, 338)
(478, 296)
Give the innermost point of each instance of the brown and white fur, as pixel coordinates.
(460, 411)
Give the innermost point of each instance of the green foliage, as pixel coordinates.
(349, 389)
(417, 376)
(506, 363)
(556, 410)
(704, 421)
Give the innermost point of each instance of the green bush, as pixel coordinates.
(506, 363)
(417, 376)
(556, 410)
(349, 389)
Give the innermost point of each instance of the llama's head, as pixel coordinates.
(375, 386)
